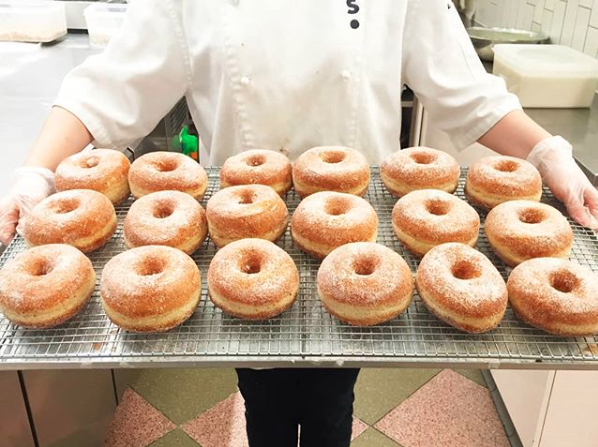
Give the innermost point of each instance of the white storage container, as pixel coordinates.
(551, 76)
(31, 21)
(103, 21)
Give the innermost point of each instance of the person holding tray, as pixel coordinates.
(289, 76)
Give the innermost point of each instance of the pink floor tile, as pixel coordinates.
(136, 423)
(448, 411)
(224, 424)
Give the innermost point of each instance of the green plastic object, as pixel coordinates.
(188, 144)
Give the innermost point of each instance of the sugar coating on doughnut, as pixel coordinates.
(331, 168)
(327, 220)
(246, 211)
(462, 287)
(83, 218)
(103, 170)
(556, 295)
(161, 171)
(497, 179)
(365, 283)
(520, 229)
(45, 286)
(253, 279)
(170, 218)
(150, 289)
(258, 166)
(423, 219)
(419, 168)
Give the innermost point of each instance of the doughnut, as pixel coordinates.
(326, 220)
(246, 211)
(364, 283)
(555, 295)
(426, 218)
(497, 179)
(253, 279)
(331, 168)
(419, 168)
(258, 166)
(150, 289)
(462, 287)
(521, 229)
(170, 218)
(161, 171)
(102, 170)
(45, 286)
(82, 218)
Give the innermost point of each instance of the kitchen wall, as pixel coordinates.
(568, 22)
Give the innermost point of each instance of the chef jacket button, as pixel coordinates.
(245, 81)
(346, 74)
(282, 150)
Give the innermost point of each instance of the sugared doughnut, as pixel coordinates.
(497, 179)
(365, 283)
(520, 230)
(555, 295)
(102, 170)
(426, 218)
(82, 218)
(253, 279)
(247, 211)
(419, 168)
(326, 220)
(45, 286)
(150, 289)
(170, 218)
(331, 168)
(258, 167)
(162, 171)
(461, 287)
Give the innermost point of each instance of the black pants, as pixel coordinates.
(278, 400)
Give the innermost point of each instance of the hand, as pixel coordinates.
(553, 158)
(29, 187)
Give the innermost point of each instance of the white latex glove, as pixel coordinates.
(554, 159)
(30, 185)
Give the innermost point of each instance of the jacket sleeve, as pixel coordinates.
(441, 66)
(121, 94)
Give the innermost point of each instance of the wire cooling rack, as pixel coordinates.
(305, 335)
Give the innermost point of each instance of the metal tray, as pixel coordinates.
(304, 336)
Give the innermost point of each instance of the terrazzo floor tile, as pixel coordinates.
(181, 394)
(136, 423)
(473, 374)
(224, 425)
(175, 438)
(449, 411)
(380, 390)
(373, 438)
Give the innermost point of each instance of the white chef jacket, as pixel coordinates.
(286, 75)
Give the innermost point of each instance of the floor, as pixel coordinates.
(393, 408)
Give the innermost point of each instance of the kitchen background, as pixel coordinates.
(568, 22)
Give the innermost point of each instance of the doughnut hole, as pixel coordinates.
(466, 270)
(251, 263)
(423, 158)
(39, 267)
(337, 206)
(151, 266)
(166, 165)
(65, 206)
(333, 157)
(366, 265)
(438, 207)
(89, 163)
(506, 166)
(256, 160)
(162, 210)
(531, 216)
(564, 281)
(245, 197)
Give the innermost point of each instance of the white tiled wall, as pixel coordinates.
(568, 22)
